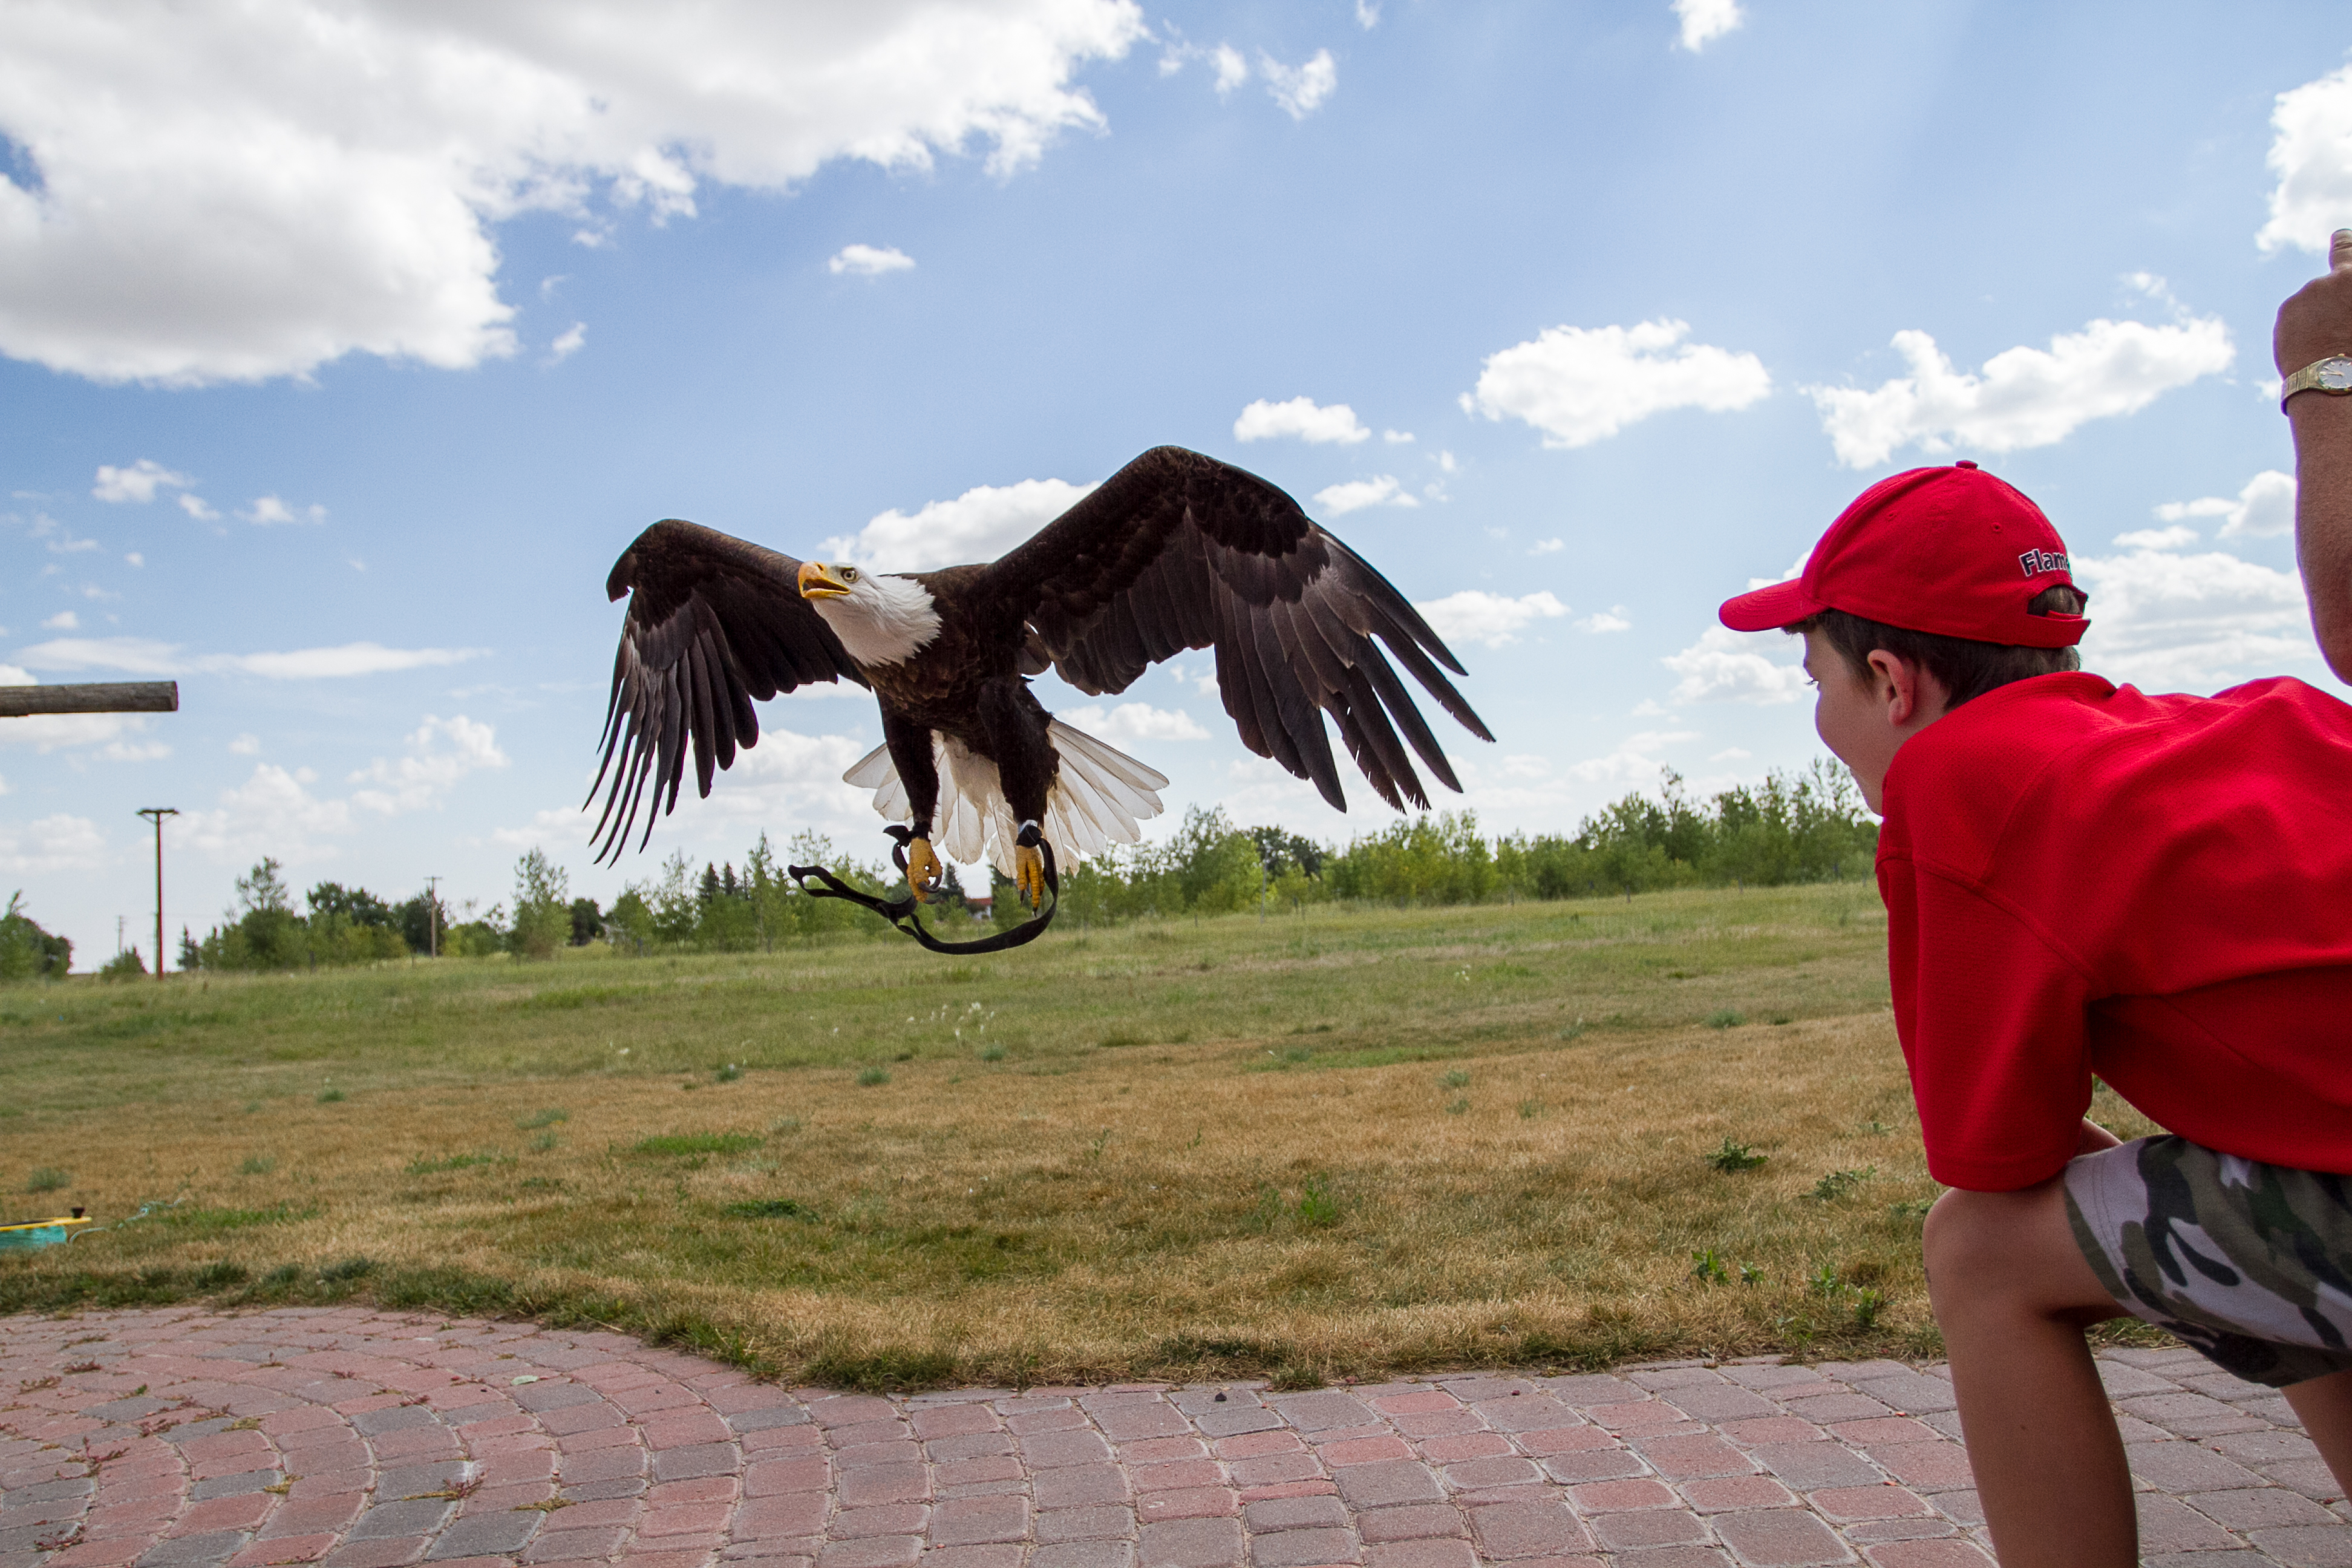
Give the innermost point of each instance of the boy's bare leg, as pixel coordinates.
(2012, 1296)
(2324, 1406)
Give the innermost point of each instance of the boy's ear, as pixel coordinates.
(1904, 687)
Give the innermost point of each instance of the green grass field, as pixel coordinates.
(1361, 1141)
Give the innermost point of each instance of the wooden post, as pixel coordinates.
(102, 697)
(158, 813)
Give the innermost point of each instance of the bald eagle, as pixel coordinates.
(1176, 551)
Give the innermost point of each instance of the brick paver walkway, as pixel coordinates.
(358, 1439)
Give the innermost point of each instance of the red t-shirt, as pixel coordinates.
(2082, 879)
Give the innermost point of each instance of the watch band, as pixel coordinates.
(2332, 375)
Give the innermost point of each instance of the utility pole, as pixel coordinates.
(157, 813)
(432, 919)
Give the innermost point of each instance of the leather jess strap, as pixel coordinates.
(901, 912)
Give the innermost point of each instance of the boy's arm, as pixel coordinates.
(2315, 323)
(2094, 1139)
(1993, 1022)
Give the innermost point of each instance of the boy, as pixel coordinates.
(2081, 879)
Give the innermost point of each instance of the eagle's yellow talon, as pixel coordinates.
(1029, 874)
(924, 872)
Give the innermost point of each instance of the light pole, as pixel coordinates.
(157, 813)
(432, 918)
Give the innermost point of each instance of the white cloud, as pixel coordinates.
(46, 732)
(1580, 384)
(234, 195)
(1548, 547)
(440, 752)
(1299, 90)
(1731, 754)
(869, 261)
(135, 559)
(269, 511)
(573, 339)
(2173, 538)
(1231, 69)
(1476, 615)
(1397, 437)
(272, 813)
(58, 843)
(1367, 15)
(1201, 678)
(245, 746)
(2025, 396)
(2263, 508)
(1634, 758)
(195, 507)
(2170, 622)
(1704, 21)
(134, 751)
(144, 655)
(1725, 665)
(2311, 156)
(1136, 722)
(1355, 495)
(1334, 425)
(1611, 619)
(981, 524)
(63, 621)
(135, 483)
(12, 676)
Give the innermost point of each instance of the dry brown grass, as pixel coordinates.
(1402, 1164)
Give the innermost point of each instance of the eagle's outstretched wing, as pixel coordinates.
(713, 624)
(1178, 550)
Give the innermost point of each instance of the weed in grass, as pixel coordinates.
(1707, 1267)
(1837, 1184)
(1456, 1107)
(539, 1119)
(869, 1076)
(1824, 1281)
(992, 1052)
(1457, 1078)
(889, 1371)
(1294, 1377)
(786, 1124)
(728, 1074)
(1530, 1109)
(675, 1145)
(450, 1163)
(258, 1165)
(1317, 1207)
(1865, 1306)
(1733, 1157)
(1573, 1032)
(47, 1179)
(251, 1106)
(770, 1208)
(1782, 1018)
(544, 1141)
(1725, 1018)
(331, 1097)
(1749, 1274)
(1875, 1129)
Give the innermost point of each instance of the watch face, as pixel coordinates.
(2335, 375)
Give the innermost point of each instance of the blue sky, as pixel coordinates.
(346, 346)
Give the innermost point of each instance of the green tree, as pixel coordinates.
(543, 917)
(26, 951)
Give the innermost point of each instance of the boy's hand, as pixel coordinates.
(2094, 1139)
(2316, 321)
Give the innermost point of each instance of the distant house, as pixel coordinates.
(980, 906)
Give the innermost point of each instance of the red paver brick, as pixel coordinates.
(1600, 1496)
(1417, 1403)
(1257, 1445)
(1186, 1474)
(1185, 1502)
(1468, 1446)
(1717, 1494)
(1364, 1451)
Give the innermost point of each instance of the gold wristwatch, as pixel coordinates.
(2332, 375)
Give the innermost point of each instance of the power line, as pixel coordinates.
(157, 813)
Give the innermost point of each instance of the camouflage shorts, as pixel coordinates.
(2249, 1264)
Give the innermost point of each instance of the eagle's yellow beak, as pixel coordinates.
(817, 581)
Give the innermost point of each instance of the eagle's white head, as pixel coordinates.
(881, 617)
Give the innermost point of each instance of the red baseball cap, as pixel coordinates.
(1953, 550)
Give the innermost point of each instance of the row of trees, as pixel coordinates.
(1793, 827)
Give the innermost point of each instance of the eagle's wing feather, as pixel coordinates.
(1178, 550)
(714, 624)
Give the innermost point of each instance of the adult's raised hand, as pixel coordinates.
(2315, 323)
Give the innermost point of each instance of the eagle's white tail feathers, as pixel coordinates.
(1100, 799)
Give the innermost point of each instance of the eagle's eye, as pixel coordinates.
(849, 573)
